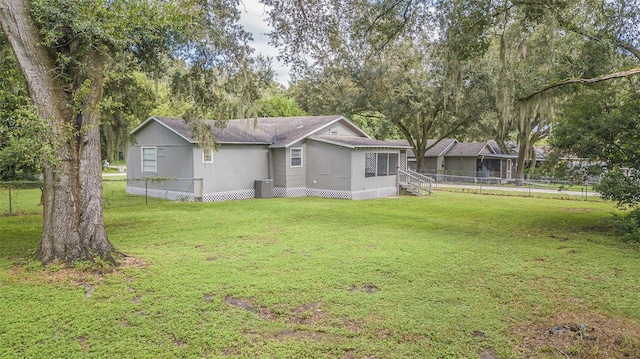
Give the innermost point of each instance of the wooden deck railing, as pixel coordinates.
(415, 182)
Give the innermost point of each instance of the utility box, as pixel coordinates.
(264, 188)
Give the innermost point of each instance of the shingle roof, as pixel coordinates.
(435, 151)
(275, 131)
(236, 131)
(439, 148)
(357, 142)
(471, 149)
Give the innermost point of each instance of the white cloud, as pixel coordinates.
(253, 18)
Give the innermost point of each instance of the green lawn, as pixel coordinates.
(453, 275)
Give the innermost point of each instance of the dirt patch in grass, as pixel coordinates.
(246, 304)
(59, 272)
(84, 344)
(308, 314)
(297, 334)
(487, 354)
(129, 261)
(352, 354)
(580, 334)
(367, 288)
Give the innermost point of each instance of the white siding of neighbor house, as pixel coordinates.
(234, 167)
(328, 166)
(173, 157)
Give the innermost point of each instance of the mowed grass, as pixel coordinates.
(453, 275)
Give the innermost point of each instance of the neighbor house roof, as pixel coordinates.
(441, 147)
(438, 148)
(357, 142)
(274, 131)
(469, 149)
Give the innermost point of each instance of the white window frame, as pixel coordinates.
(204, 157)
(291, 157)
(155, 159)
(375, 157)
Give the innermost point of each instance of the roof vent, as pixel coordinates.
(300, 125)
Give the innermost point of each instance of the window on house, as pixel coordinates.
(295, 157)
(149, 159)
(383, 164)
(380, 164)
(207, 156)
(393, 164)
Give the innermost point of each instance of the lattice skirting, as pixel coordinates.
(328, 193)
(277, 192)
(162, 193)
(290, 192)
(229, 195)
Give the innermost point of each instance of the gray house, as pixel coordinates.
(470, 159)
(323, 156)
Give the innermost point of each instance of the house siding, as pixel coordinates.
(328, 166)
(296, 176)
(338, 129)
(431, 163)
(234, 167)
(327, 169)
(279, 164)
(173, 158)
(466, 166)
(360, 183)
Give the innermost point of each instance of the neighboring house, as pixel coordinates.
(323, 156)
(469, 159)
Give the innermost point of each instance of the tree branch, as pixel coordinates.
(615, 75)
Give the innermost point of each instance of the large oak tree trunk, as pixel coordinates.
(73, 224)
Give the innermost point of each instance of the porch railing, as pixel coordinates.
(415, 182)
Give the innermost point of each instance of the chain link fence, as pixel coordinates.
(493, 179)
(20, 198)
(17, 198)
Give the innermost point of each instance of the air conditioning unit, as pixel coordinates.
(264, 188)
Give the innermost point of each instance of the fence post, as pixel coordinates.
(146, 197)
(10, 209)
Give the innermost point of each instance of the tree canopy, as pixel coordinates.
(21, 130)
(516, 59)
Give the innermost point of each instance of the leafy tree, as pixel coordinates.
(278, 105)
(600, 125)
(381, 60)
(62, 48)
(21, 130)
(597, 135)
(128, 99)
(532, 48)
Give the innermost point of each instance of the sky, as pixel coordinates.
(253, 19)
